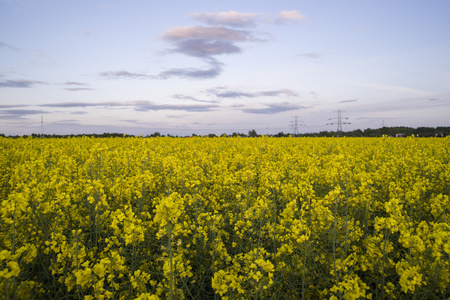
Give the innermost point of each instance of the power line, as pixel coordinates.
(42, 126)
(294, 125)
(339, 122)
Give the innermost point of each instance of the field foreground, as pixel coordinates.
(225, 218)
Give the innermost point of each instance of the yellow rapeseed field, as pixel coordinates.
(225, 218)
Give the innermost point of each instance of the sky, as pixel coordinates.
(183, 67)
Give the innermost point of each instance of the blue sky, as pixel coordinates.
(183, 67)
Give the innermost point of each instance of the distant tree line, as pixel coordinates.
(391, 131)
(60, 136)
(440, 131)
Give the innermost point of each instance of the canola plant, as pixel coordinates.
(225, 218)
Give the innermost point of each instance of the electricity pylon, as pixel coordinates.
(339, 122)
(294, 125)
(42, 126)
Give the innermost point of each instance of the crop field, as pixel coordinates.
(225, 218)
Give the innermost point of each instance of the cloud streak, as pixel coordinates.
(230, 18)
(397, 89)
(136, 105)
(221, 37)
(190, 98)
(147, 106)
(213, 71)
(19, 83)
(74, 83)
(80, 104)
(8, 46)
(13, 106)
(77, 86)
(290, 15)
(311, 55)
(224, 93)
(207, 33)
(122, 74)
(19, 113)
(78, 89)
(274, 108)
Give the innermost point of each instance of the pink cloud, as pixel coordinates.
(290, 15)
(229, 18)
(201, 32)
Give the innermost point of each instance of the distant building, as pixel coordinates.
(399, 135)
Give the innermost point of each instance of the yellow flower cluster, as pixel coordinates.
(224, 218)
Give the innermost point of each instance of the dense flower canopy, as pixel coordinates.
(232, 218)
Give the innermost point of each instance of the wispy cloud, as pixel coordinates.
(290, 15)
(190, 98)
(78, 113)
(206, 48)
(314, 94)
(86, 31)
(78, 89)
(70, 122)
(10, 117)
(82, 104)
(222, 92)
(19, 83)
(273, 93)
(176, 116)
(8, 46)
(13, 106)
(122, 74)
(274, 108)
(229, 18)
(213, 33)
(405, 105)
(19, 113)
(76, 86)
(207, 42)
(223, 35)
(348, 101)
(146, 106)
(310, 55)
(193, 73)
(140, 105)
(397, 89)
(234, 94)
(74, 83)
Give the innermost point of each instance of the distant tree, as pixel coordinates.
(443, 129)
(356, 133)
(325, 133)
(425, 131)
(370, 132)
(252, 133)
(282, 134)
(236, 134)
(156, 134)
